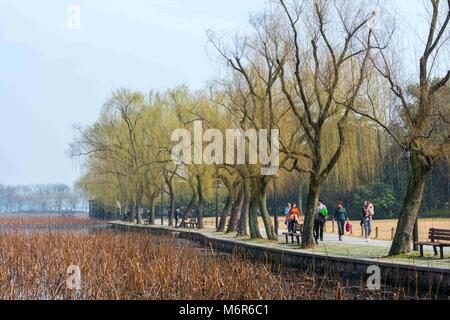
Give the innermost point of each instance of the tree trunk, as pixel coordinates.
(262, 201)
(244, 217)
(132, 213)
(193, 200)
(200, 203)
(410, 207)
(152, 217)
(311, 205)
(172, 208)
(171, 198)
(235, 213)
(253, 216)
(137, 208)
(190, 206)
(226, 211)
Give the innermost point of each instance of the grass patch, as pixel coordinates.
(435, 213)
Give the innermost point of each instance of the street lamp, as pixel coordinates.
(217, 185)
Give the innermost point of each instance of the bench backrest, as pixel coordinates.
(298, 228)
(439, 234)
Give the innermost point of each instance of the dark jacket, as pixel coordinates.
(341, 214)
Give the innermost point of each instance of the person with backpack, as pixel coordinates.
(320, 218)
(341, 216)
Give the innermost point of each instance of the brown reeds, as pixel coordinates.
(139, 265)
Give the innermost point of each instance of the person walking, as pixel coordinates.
(177, 215)
(341, 216)
(320, 217)
(368, 213)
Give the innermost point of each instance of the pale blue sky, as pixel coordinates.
(52, 77)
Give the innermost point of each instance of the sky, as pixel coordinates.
(53, 77)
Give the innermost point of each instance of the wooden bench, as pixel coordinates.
(436, 235)
(190, 224)
(297, 234)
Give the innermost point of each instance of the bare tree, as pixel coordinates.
(323, 64)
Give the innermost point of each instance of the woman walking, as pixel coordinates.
(368, 212)
(341, 216)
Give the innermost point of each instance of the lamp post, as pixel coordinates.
(217, 185)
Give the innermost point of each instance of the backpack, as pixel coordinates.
(324, 212)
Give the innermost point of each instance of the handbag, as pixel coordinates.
(347, 227)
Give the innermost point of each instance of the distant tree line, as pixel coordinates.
(41, 198)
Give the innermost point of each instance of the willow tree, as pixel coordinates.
(322, 52)
(103, 188)
(251, 93)
(118, 146)
(104, 180)
(192, 109)
(150, 139)
(237, 207)
(422, 112)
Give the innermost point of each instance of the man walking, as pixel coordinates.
(177, 215)
(319, 221)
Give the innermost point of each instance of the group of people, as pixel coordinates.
(293, 216)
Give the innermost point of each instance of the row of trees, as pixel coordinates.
(321, 74)
(41, 198)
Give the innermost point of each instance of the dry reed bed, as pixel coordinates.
(142, 266)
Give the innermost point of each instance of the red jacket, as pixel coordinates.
(294, 213)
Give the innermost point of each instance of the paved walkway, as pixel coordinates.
(333, 239)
